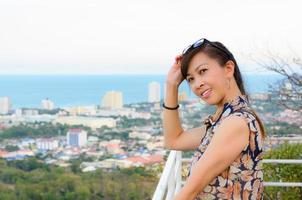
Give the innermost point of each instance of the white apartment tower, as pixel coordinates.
(154, 92)
(76, 137)
(112, 99)
(47, 104)
(5, 105)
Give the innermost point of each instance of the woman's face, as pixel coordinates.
(207, 79)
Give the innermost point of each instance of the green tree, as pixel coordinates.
(283, 172)
(11, 148)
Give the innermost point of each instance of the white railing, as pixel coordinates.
(170, 181)
(283, 184)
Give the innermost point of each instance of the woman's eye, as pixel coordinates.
(202, 71)
(189, 79)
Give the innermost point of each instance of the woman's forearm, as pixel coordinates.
(185, 194)
(171, 122)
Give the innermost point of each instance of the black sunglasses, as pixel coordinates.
(204, 41)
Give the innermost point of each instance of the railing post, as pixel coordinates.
(178, 171)
(171, 182)
(164, 179)
(174, 183)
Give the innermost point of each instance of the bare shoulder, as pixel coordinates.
(233, 127)
(230, 138)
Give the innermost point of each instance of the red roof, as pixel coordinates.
(2, 127)
(2, 152)
(146, 159)
(113, 146)
(75, 130)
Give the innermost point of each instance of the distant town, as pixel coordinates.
(111, 134)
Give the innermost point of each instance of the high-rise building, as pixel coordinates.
(154, 92)
(76, 137)
(112, 99)
(182, 96)
(5, 105)
(47, 104)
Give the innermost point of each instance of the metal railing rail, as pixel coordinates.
(283, 184)
(170, 181)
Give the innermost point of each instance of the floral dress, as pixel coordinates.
(243, 179)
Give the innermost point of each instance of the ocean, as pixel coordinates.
(74, 90)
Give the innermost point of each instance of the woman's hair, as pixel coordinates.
(215, 52)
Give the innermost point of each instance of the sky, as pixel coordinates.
(138, 36)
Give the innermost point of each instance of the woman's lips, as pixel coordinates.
(206, 94)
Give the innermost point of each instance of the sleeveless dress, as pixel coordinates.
(243, 179)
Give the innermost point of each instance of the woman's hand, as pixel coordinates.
(174, 76)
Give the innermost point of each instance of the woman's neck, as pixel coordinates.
(220, 106)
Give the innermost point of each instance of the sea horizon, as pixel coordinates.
(66, 90)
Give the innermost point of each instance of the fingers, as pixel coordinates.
(178, 59)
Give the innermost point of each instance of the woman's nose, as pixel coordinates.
(198, 83)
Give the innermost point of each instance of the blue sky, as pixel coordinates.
(139, 37)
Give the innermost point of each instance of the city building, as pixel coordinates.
(18, 112)
(107, 164)
(154, 92)
(26, 142)
(140, 135)
(113, 100)
(30, 112)
(47, 104)
(47, 144)
(76, 137)
(107, 112)
(5, 105)
(92, 122)
(17, 155)
(260, 96)
(145, 160)
(83, 110)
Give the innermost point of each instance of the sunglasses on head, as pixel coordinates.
(204, 41)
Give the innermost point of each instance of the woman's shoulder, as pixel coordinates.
(246, 112)
(249, 115)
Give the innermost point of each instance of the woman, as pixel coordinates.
(228, 145)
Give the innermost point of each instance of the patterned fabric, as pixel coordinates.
(243, 179)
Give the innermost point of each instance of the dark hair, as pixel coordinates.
(222, 57)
